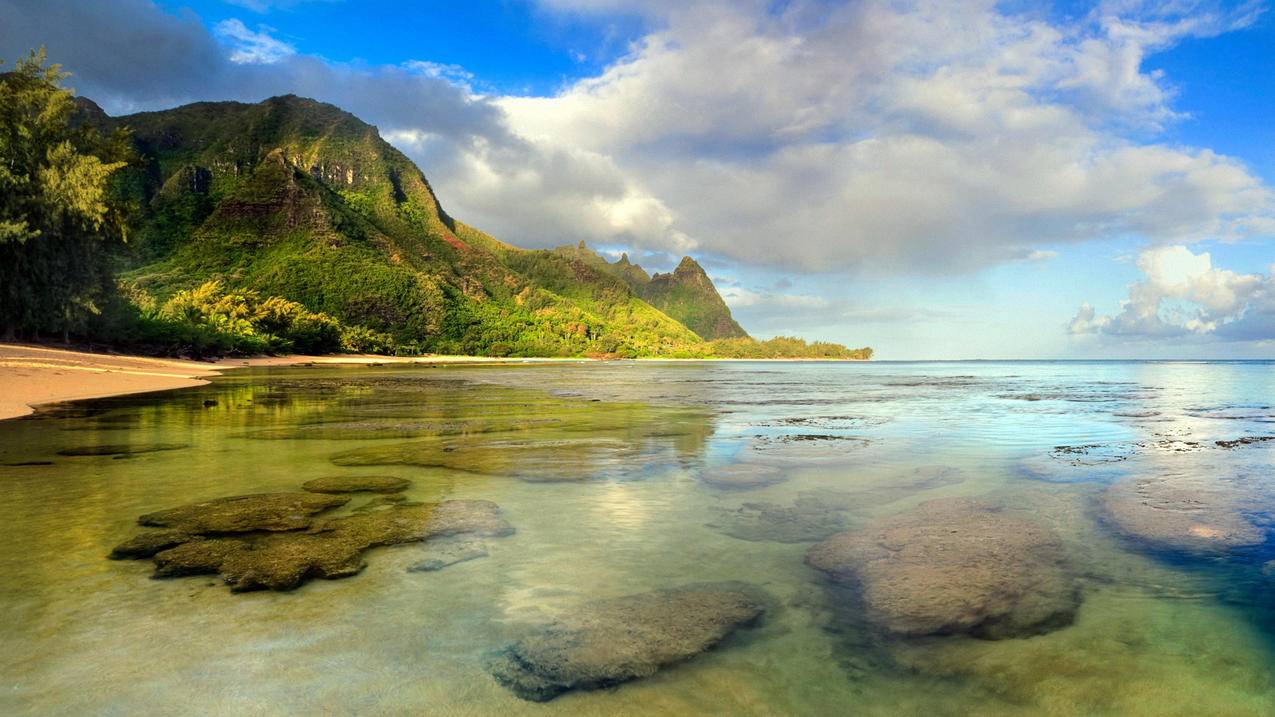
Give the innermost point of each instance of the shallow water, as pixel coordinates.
(599, 467)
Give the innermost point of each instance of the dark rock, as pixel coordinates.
(443, 554)
(356, 484)
(1245, 441)
(383, 501)
(144, 545)
(200, 557)
(805, 521)
(121, 449)
(1186, 514)
(613, 641)
(743, 476)
(332, 549)
(245, 513)
(954, 565)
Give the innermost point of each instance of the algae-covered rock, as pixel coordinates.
(954, 565)
(538, 460)
(121, 449)
(245, 513)
(621, 639)
(331, 549)
(144, 545)
(1187, 514)
(443, 554)
(806, 520)
(743, 476)
(200, 557)
(356, 484)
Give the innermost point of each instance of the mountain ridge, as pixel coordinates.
(301, 199)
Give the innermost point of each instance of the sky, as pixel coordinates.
(937, 179)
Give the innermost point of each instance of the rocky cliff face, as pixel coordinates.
(688, 295)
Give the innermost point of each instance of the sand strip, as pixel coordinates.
(34, 375)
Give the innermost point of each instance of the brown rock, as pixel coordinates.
(613, 641)
(245, 513)
(332, 549)
(144, 545)
(356, 484)
(1180, 514)
(954, 565)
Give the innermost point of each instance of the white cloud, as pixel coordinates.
(929, 135)
(252, 48)
(1183, 294)
(902, 135)
(737, 297)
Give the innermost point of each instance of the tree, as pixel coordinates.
(59, 218)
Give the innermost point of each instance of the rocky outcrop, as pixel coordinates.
(356, 484)
(245, 513)
(277, 543)
(122, 449)
(613, 641)
(144, 545)
(953, 565)
(1192, 515)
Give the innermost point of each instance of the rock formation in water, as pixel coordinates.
(123, 449)
(613, 641)
(245, 513)
(273, 541)
(954, 565)
(356, 484)
(1188, 514)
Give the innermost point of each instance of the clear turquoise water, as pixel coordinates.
(1157, 633)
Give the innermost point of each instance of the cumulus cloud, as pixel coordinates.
(929, 135)
(143, 58)
(907, 135)
(1183, 294)
(252, 47)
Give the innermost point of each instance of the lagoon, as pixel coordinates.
(1147, 484)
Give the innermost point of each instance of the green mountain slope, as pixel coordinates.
(298, 199)
(686, 293)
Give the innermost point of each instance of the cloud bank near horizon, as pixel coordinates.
(1182, 295)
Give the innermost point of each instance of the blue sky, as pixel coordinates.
(955, 179)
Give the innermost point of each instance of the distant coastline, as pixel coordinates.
(33, 375)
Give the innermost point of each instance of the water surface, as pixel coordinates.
(601, 470)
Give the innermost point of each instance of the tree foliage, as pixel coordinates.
(59, 218)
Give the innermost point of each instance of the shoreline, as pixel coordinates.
(33, 375)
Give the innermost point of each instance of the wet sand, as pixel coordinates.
(34, 375)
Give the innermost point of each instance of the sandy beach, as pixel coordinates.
(33, 375)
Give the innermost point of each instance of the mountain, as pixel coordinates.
(686, 294)
(301, 200)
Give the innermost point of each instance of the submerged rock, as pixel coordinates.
(808, 447)
(442, 555)
(1183, 514)
(543, 460)
(806, 520)
(331, 549)
(121, 449)
(954, 565)
(356, 484)
(381, 501)
(199, 557)
(613, 641)
(245, 513)
(743, 476)
(144, 545)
